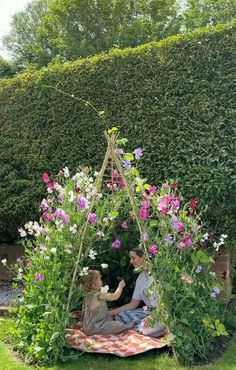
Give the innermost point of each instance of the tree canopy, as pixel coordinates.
(48, 30)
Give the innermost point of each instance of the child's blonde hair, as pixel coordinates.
(89, 280)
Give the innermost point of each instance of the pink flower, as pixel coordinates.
(116, 244)
(46, 178)
(125, 225)
(185, 243)
(186, 278)
(92, 217)
(39, 277)
(179, 226)
(153, 249)
(22, 232)
(165, 186)
(145, 204)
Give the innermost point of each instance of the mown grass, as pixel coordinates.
(152, 360)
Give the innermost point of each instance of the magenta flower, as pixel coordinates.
(153, 249)
(92, 217)
(145, 204)
(116, 244)
(153, 189)
(138, 153)
(39, 277)
(46, 178)
(185, 243)
(44, 205)
(144, 213)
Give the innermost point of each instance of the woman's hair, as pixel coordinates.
(138, 251)
(89, 279)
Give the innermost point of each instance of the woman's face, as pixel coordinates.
(135, 260)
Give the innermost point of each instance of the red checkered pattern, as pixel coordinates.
(125, 344)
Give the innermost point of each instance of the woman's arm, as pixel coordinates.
(129, 306)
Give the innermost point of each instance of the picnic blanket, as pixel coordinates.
(127, 343)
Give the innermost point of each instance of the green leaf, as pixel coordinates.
(123, 141)
(113, 129)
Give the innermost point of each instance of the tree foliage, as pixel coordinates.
(72, 29)
(64, 30)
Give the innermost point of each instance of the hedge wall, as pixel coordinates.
(175, 98)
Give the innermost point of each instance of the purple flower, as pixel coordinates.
(44, 205)
(215, 292)
(153, 249)
(116, 244)
(169, 239)
(127, 164)
(92, 217)
(61, 214)
(145, 236)
(39, 277)
(119, 151)
(19, 260)
(179, 226)
(153, 189)
(82, 202)
(145, 204)
(138, 153)
(198, 269)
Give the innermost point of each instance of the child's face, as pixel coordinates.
(98, 283)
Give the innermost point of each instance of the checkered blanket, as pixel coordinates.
(127, 343)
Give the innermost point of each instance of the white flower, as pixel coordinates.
(84, 271)
(204, 237)
(19, 277)
(4, 261)
(71, 196)
(68, 251)
(224, 236)
(53, 250)
(212, 273)
(104, 289)
(20, 270)
(66, 172)
(46, 258)
(73, 229)
(104, 265)
(49, 190)
(96, 173)
(100, 233)
(90, 179)
(92, 254)
(216, 246)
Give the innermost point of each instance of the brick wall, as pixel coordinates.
(223, 270)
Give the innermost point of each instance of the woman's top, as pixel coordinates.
(142, 285)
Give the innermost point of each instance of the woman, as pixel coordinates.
(130, 311)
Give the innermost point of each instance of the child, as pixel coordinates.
(95, 319)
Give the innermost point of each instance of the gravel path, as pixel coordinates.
(7, 294)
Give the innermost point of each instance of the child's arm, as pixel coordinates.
(113, 296)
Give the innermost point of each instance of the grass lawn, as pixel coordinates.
(152, 360)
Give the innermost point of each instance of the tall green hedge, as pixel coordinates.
(175, 98)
